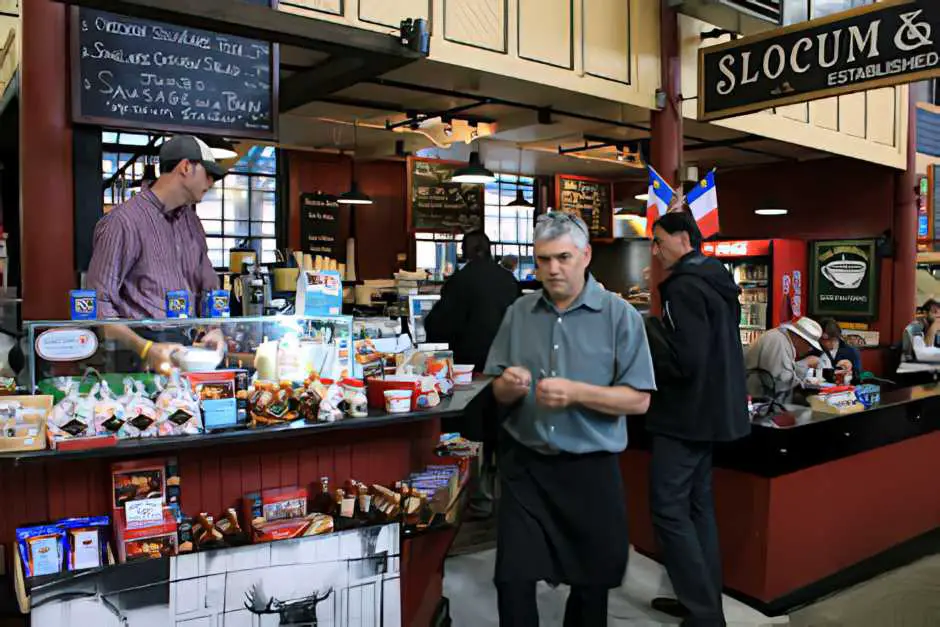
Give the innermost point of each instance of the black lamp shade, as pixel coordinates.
(354, 196)
(473, 172)
(520, 200)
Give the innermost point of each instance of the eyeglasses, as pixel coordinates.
(561, 216)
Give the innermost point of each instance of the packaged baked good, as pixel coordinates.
(140, 414)
(86, 542)
(42, 549)
(179, 409)
(319, 524)
(74, 415)
(109, 413)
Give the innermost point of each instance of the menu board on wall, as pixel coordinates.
(588, 198)
(843, 279)
(435, 204)
(130, 72)
(319, 226)
(933, 200)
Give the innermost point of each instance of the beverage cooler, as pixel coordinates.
(772, 277)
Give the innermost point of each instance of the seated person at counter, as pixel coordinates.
(836, 354)
(152, 244)
(778, 362)
(927, 330)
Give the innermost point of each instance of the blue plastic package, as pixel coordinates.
(41, 549)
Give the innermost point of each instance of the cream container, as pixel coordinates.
(398, 401)
(463, 374)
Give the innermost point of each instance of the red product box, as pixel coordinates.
(264, 510)
(279, 530)
(151, 541)
(142, 479)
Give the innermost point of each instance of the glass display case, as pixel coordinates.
(273, 347)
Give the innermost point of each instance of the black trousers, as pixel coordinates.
(683, 511)
(586, 606)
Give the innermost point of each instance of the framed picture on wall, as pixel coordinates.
(843, 279)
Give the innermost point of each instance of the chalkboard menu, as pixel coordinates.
(319, 225)
(435, 204)
(129, 72)
(588, 198)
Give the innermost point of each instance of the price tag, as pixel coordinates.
(143, 511)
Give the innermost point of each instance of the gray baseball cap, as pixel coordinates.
(191, 148)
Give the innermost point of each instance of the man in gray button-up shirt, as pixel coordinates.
(572, 361)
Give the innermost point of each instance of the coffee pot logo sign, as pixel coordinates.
(844, 267)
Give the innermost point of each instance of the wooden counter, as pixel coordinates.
(807, 510)
(218, 469)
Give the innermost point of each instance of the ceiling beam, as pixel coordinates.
(334, 75)
(243, 19)
(722, 143)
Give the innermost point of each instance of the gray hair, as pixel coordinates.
(556, 224)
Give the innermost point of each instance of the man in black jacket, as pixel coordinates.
(701, 400)
(468, 316)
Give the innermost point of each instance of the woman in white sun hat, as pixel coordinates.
(778, 362)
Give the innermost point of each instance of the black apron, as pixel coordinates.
(562, 518)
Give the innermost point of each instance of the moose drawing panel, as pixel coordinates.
(353, 582)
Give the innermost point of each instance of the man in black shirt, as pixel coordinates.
(701, 400)
(467, 318)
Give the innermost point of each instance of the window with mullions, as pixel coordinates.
(510, 228)
(242, 206)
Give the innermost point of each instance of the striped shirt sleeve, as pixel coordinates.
(116, 249)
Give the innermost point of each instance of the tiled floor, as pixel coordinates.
(906, 597)
(468, 585)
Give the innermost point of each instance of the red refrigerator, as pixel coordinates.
(772, 276)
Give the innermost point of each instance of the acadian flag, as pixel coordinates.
(703, 202)
(659, 201)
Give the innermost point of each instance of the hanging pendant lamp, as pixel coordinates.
(520, 200)
(354, 196)
(473, 172)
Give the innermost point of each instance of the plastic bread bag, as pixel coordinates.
(42, 549)
(74, 416)
(141, 414)
(179, 409)
(85, 542)
(128, 395)
(169, 391)
(109, 413)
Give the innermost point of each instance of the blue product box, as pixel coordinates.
(216, 304)
(320, 293)
(84, 304)
(178, 304)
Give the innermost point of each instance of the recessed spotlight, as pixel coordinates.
(771, 212)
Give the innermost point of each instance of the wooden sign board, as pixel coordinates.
(843, 279)
(437, 205)
(319, 226)
(134, 73)
(590, 199)
(880, 45)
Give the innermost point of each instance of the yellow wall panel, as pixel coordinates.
(825, 113)
(477, 23)
(881, 110)
(386, 13)
(545, 31)
(330, 7)
(798, 112)
(852, 115)
(606, 39)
